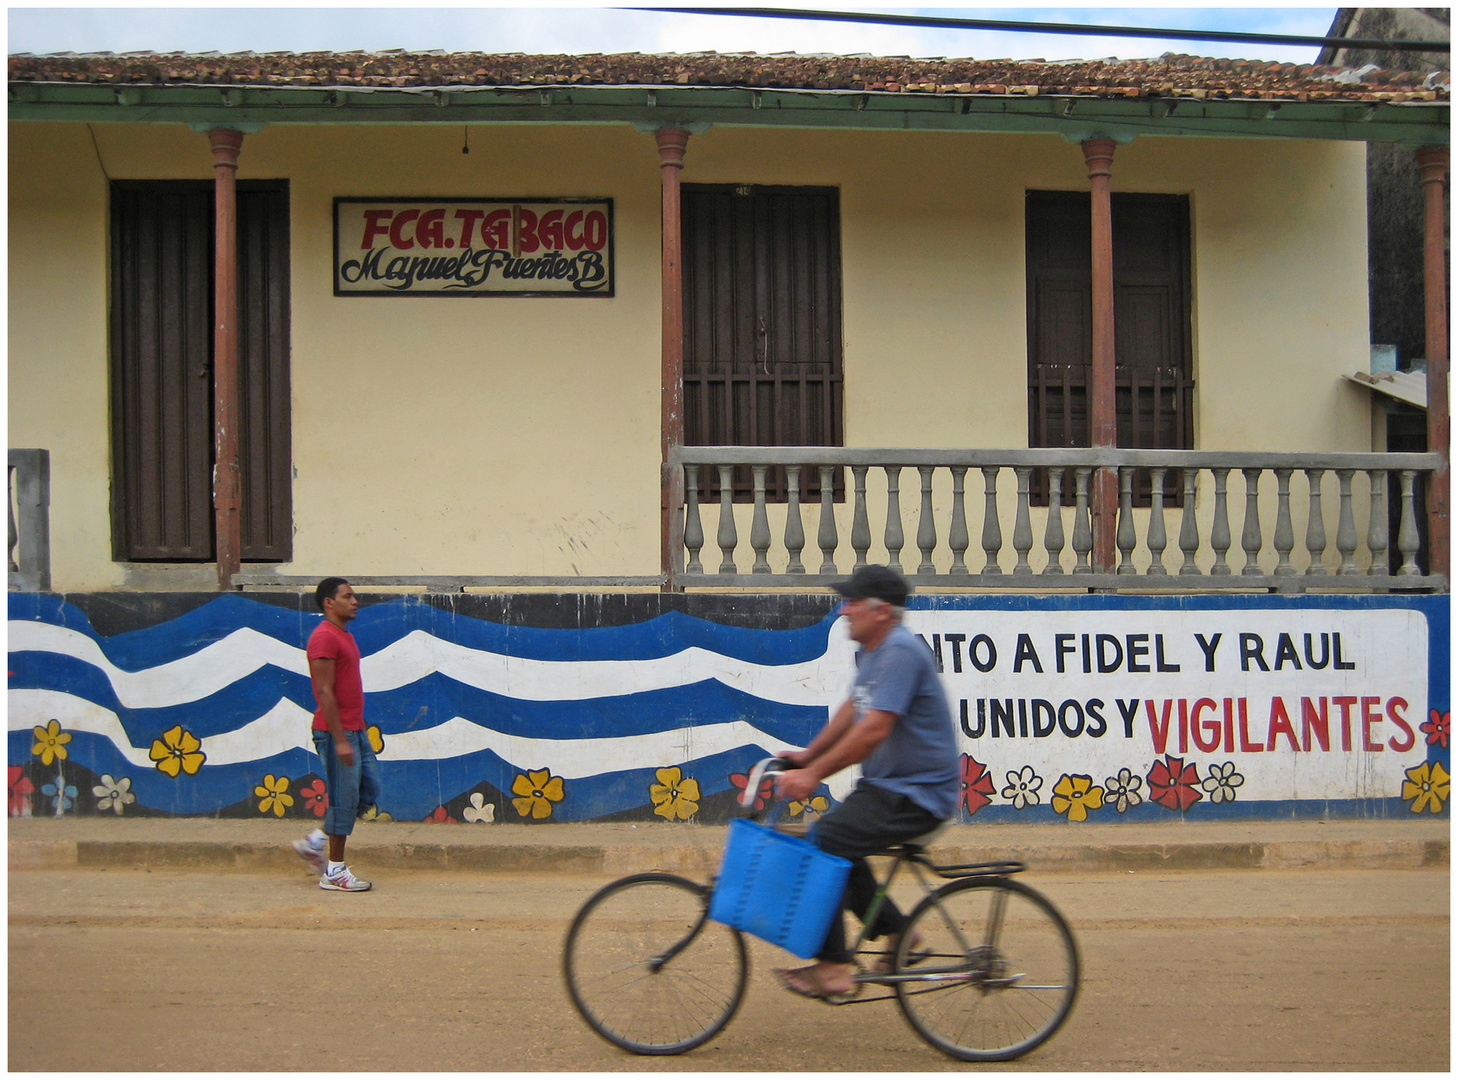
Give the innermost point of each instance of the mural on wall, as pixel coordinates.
(1080, 709)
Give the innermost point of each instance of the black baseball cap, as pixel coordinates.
(879, 582)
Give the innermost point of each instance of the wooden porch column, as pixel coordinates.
(672, 142)
(1098, 155)
(227, 489)
(1433, 169)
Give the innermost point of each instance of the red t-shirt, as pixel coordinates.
(328, 642)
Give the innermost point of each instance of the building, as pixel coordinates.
(510, 326)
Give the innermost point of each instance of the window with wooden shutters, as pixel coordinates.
(1154, 368)
(762, 324)
(162, 370)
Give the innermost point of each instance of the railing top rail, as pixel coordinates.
(1091, 456)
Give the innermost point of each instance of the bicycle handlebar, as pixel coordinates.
(751, 786)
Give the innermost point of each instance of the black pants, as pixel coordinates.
(871, 819)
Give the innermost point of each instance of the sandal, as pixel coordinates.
(806, 983)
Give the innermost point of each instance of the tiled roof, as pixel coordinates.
(1170, 75)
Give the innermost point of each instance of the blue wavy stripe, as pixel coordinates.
(398, 710)
(229, 709)
(207, 792)
(644, 713)
(412, 789)
(382, 624)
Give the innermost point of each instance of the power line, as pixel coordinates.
(1060, 28)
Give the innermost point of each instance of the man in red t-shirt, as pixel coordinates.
(346, 758)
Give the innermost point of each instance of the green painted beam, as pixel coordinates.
(1410, 123)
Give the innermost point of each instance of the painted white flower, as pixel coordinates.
(1022, 787)
(480, 810)
(1123, 790)
(1220, 785)
(113, 794)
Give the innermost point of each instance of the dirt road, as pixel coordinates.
(123, 969)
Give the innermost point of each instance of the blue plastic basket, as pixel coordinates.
(777, 887)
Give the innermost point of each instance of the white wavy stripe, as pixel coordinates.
(35, 708)
(286, 727)
(211, 669)
(573, 759)
(418, 654)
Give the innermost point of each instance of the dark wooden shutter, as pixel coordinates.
(265, 431)
(1154, 367)
(762, 322)
(162, 367)
(1154, 389)
(161, 351)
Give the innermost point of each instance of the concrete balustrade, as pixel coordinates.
(1250, 501)
(1195, 496)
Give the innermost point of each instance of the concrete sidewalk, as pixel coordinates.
(619, 848)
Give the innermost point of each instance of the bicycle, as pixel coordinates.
(986, 968)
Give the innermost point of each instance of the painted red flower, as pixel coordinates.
(1437, 728)
(766, 789)
(20, 791)
(316, 798)
(439, 817)
(1172, 784)
(977, 785)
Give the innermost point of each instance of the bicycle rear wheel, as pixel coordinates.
(1001, 975)
(647, 969)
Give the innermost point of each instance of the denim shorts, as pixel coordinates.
(354, 790)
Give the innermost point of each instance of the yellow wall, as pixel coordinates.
(520, 435)
(56, 341)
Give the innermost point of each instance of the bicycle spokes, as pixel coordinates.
(1003, 974)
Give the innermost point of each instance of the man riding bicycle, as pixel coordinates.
(896, 722)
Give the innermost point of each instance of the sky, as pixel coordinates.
(595, 28)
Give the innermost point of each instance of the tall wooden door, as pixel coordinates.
(1154, 367)
(1154, 364)
(762, 321)
(162, 370)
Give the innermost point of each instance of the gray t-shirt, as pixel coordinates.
(919, 757)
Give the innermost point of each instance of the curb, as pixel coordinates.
(697, 859)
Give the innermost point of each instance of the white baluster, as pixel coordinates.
(1053, 533)
(991, 529)
(728, 535)
(827, 537)
(693, 528)
(926, 529)
(794, 529)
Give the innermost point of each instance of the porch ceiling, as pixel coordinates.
(1173, 96)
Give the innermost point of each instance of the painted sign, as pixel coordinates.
(473, 247)
(1246, 705)
(1077, 708)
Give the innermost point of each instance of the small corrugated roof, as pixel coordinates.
(1169, 76)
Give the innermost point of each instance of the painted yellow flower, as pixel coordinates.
(374, 814)
(1427, 786)
(812, 807)
(675, 795)
(50, 742)
(273, 795)
(538, 790)
(177, 751)
(377, 741)
(1074, 796)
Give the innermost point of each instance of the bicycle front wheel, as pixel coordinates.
(1000, 973)
(647, 969)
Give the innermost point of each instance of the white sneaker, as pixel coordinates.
(342, 880)
(312, 850)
